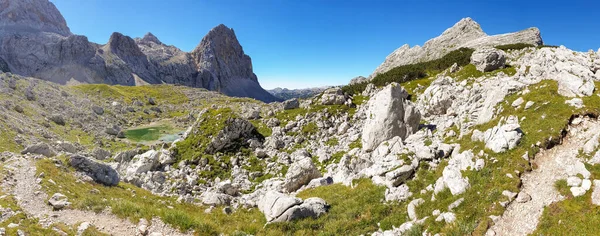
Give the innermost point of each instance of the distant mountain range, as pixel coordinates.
(36, 41)
(285, 94)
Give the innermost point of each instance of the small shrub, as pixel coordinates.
(514, 46)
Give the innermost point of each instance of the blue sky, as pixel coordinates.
(308, 43)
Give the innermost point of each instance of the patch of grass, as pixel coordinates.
(7, 139)
(359, 99)
(310, 128)
(332, 142)
(262, 128)
(577, 216)
(161, 93)
(353, 211)
(469, 72)
(356, 144)
(562, 187)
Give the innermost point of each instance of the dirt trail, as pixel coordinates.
(32, 200)
(552, 165)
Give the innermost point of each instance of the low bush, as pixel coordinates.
(514, 46)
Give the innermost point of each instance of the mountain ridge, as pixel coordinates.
(37, 42)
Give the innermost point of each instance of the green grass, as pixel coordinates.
(562, 187)
(262, 128)
(543, 123)
(353, 211)
(161, 93)
(332, 142)
(356, 144)
(469, 72)
(576, 215)
(310, 128)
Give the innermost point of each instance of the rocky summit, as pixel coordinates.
(468, 135)
(36, 42)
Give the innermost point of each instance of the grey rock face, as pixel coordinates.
(465, 33)
(99, 172)
(504, 136)
(36, 42)
(333, 96)
(223, 66)
(235, 130)
(291, 104)
(40, 148)
(390, 114)
(488, 59)
(32, 15)
(300, 173)
(279, 207)
(358, 80)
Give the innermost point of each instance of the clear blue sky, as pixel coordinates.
(306, 43)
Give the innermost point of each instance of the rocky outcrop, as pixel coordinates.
(390, 114)
(300, 173)
(574, 71)
(279, 207)
(488, 59)
(223, 66)
(32, 15)
(35, 41)
(235, 129)
(501, 138)
(465, 33)
(99, 172)
(333, 96)
(358, 80)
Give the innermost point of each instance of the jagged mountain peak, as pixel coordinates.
(121, 44)
(149, 37)
(466, 26)
(28, 15)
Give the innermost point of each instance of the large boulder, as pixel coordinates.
(99, 172)
(291, 104)
(390, 114)
(279, 207)
(333, 96)
(300, 173)
(503, 137)
(58, 201)
(143, 163)
(488, 59)
(39, 148)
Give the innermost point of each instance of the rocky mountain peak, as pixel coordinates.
(465, 26)
(121, 45)
(149, 37)
(32, 15)
(465, 33)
